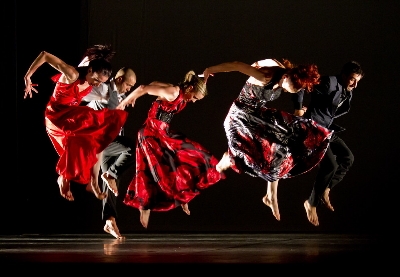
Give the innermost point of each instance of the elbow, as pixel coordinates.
(44, 54)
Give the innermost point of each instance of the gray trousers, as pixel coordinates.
(117, 158)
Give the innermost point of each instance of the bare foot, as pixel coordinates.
(144, 217)
(273, 205)
(326, 201)
(111, 184)
(224, 163)
(111, 228)
(96, 190)
(185, 208)
(311, 213)
(64, 186)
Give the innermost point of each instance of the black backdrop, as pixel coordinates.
(162, 40)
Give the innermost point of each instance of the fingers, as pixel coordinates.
(29, 89)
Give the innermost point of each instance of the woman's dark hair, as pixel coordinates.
(99, 57)
(99, 51)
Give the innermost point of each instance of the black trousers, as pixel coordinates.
(117, 158)
(331, 170)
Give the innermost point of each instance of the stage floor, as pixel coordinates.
(336, 250)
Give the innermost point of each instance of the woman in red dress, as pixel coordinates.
(171, 169)
(79, 134)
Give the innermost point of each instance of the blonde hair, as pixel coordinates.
(191, 79)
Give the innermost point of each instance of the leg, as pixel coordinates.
(111, 228)
(271, 198)
(94, 180)
(344, 160)
(64, 186)
(117, 158)
(326, 170)
(224, 163)
(110, 182)
(144, 217)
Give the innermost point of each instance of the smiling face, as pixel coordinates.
(351, 81)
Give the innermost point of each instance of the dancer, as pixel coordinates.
(171, 169)
(329, 100)
(265, 142)
(119, 154)
(79, 134)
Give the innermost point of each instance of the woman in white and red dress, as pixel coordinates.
(265, 142)
(171, 169)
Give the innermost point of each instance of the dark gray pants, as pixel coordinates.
(331, 170)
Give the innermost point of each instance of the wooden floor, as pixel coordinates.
(142, 251)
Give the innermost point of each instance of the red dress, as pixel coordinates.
(170, 168)
(78, 133)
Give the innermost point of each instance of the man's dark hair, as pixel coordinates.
(352, 67)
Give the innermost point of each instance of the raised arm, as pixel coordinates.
(70, 74)
(163, 91)
(253, 71)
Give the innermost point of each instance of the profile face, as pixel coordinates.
(193, 96)
(287, 84)
(124, 86)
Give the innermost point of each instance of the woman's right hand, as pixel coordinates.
(29, 87)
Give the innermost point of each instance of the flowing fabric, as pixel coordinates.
(269, 143)
(78, 133)
(171, 169)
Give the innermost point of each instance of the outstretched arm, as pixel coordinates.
(164, 91)
(70, 74)
(253, 71)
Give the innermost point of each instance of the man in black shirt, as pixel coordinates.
(329, 100)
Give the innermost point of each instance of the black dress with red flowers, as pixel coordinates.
(269, 143)
(171, 169)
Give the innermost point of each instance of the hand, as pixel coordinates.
(124, 103)
(121, 106)
(29, 87)
(206, 74)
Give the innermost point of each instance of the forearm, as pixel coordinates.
(138, 92)
(70, 72)
(36, 64)
(224, 67)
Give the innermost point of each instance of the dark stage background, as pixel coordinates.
(162, 40)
